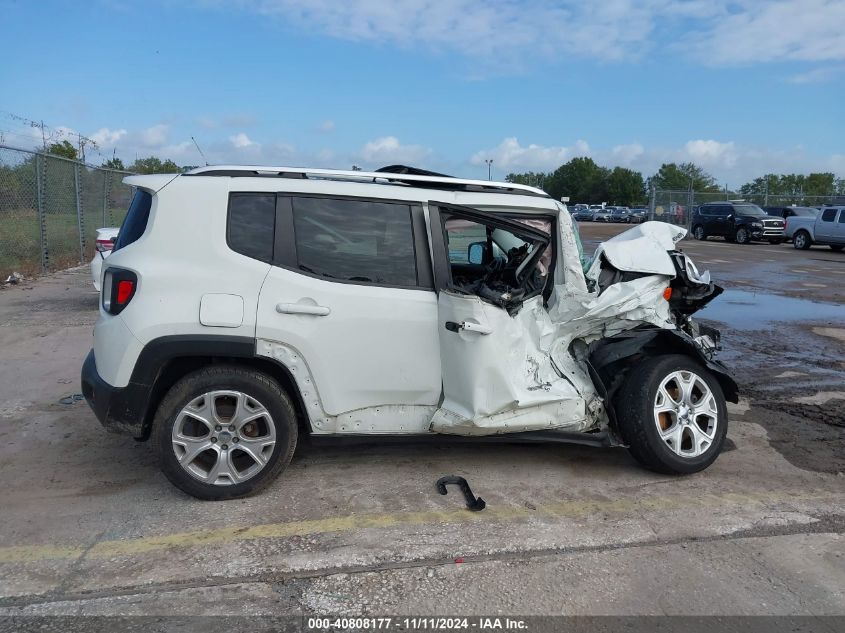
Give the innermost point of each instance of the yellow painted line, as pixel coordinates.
(495, 513)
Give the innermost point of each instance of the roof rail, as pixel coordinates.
(409, 179)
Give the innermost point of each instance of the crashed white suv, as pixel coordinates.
(397, 302)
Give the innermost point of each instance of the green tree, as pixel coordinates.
(625, 186)
(63, 149)
(154, 165)
(580, 179)
(677, 177)
(530, 178)
(114, 163)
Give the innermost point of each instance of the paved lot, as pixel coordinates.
(90, 526)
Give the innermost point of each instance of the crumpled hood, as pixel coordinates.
(643, 248)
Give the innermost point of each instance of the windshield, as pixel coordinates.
(749, 209)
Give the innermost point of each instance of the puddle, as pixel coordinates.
(745, 310)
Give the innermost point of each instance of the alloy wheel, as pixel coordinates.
(686, 414)
(223, 437)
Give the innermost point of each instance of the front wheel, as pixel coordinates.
(672, 414)
(224, 432)
(741, 236)
(801, 240)
(698, 233)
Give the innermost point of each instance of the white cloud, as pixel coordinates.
(756, 31)
(154, 136)
(819, 75)
(509, 155)
(627, 154)
(504, 33)
(241, 140)
(104, 137)
(388, 149)
(712, 153)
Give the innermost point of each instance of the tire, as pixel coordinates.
(801, 240)
(741, 236)
(837, 247)
(636, 405)
(698, 233)
(270, 418)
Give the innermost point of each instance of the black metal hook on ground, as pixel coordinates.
(474, 503)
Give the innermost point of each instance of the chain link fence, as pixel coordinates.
(51, 208)
(676, 207)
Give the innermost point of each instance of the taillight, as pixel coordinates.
(104, 246)
(119, 287)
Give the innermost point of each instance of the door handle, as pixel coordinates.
(469, 327)
(302, 308)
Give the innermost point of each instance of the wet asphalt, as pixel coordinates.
(90, 526)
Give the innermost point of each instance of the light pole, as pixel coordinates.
(489, 162)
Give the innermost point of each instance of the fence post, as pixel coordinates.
(42, 220)
(106, 187)
(80, 222)
(651, 202)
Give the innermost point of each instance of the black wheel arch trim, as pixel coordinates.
(129, 410)
(606, 355)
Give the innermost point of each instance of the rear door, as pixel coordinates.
(826, 225)
(839, 229)
(351, 292)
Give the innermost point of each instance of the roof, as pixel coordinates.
(403, 176)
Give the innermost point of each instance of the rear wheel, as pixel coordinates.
(801, 240)
(741, 236)
(698, 233)
(224, 432)
(672, 414)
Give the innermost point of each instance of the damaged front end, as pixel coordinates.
(534, 338)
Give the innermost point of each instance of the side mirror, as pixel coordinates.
(475, 252)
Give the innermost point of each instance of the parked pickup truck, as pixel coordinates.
(828, 228)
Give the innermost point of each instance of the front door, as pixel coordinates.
(493, 275)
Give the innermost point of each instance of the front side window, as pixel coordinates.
(355, 240)
(251, 223)
(842, 216)
(828, 215)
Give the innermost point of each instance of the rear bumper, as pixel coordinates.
(119, 409)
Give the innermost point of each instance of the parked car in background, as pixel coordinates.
(739, 222)
(104, 246)
(582, 213)
(828, 228)
(603, 215)
(788, 212)
(639, 214)
(620, 214)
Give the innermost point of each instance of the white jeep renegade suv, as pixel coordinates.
(397, 302)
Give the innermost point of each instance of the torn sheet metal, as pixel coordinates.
(520, 374)
(504, 380)
(643, 249)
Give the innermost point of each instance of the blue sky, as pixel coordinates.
(741, 87)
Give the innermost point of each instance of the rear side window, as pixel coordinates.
(828, 215)
(135, 222)
(355, 240)
(251, 223)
